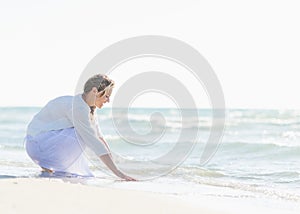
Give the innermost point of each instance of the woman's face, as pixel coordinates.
(101, 100)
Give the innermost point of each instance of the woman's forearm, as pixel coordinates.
(110, 164)
(105, 143)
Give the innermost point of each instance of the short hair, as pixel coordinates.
(101, 82)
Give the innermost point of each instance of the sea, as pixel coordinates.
(257, 158)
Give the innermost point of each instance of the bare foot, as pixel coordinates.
(47, 170)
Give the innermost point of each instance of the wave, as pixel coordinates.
(186, 170)
(258, 191)
(260, 147)
(7, 176)
(9, 147)
(260, 184)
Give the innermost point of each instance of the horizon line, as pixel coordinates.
(151, 107)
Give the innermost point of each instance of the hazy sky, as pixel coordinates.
(253, 46)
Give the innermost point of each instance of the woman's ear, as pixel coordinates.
(94, 90)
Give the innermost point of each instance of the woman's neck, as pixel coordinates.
(90, 100)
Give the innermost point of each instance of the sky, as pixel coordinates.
(252, 46)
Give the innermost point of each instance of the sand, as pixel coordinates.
(44, 196)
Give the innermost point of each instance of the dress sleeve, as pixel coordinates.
(87, 131)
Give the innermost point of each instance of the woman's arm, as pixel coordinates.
(107, 159)
(105, 143)
(110, 164)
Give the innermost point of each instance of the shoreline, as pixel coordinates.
(47, 195)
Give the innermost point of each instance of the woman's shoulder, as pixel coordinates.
(75, 102)
(62, 98)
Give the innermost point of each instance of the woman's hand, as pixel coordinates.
(125, 177)
(128, 178)
(110, 164)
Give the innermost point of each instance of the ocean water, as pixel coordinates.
(258, 158)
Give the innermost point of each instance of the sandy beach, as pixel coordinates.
(55, 196)
(36, 195)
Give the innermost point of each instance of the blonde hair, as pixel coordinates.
(101, 82)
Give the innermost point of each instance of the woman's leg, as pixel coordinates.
(58, 151)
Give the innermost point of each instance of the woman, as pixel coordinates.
(58, 134)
